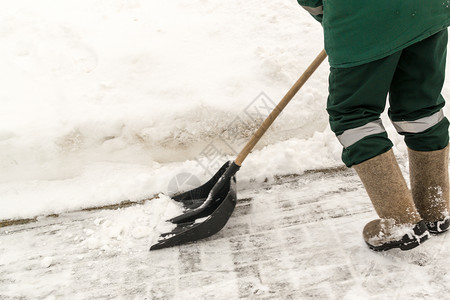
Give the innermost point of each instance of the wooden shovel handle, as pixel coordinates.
(277, 110)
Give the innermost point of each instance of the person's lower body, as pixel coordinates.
(413, 78)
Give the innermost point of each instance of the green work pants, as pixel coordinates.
(413, 78)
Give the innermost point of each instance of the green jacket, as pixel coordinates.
(360, 31)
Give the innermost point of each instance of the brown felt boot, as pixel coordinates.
(430, 187)
(400, 225)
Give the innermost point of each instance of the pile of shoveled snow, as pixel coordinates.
(119, 230)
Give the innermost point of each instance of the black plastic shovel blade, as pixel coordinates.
(204, 200)
(207, 223)
(195, 198)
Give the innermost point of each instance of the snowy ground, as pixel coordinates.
(297, 238)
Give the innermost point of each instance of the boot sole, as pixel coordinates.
(421, 234)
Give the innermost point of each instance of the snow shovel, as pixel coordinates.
(208, 207)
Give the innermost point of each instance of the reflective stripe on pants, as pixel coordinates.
(419, 125)
(351, 136)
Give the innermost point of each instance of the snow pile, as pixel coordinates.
(120, 230)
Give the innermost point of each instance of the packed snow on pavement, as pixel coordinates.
(111, 101)
(298, 237)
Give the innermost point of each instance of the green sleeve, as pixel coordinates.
(310, 3)
(318, 17)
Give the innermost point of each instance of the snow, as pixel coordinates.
(118, 229)
(47, 262)
(296, 238)
(107, 101)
